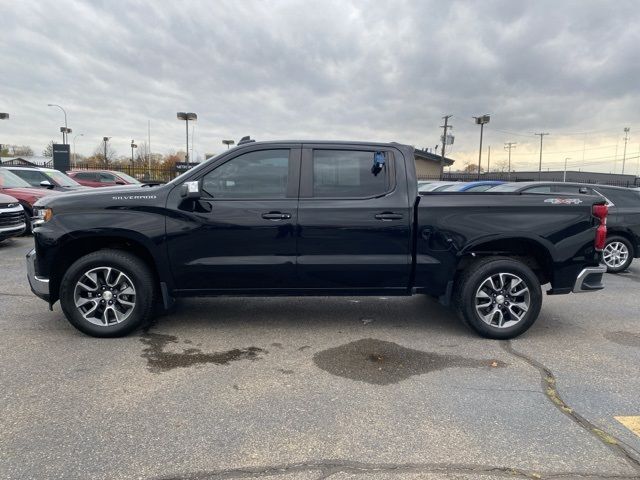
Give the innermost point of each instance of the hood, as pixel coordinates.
(103, 197)
(35, 192)
(7, 199)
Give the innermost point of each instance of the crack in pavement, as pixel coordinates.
(328, 468)
(551, 392)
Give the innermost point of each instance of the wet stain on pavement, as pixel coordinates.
(626, 339)
(384, 363)
(159, 360)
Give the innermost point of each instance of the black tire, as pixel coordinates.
(28, 213)
(137, 272)
(469, 284)
(622, 244)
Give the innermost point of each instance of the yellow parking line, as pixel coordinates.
(632, 423)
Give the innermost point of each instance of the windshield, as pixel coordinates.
(60, 178)
(506, 187)
(11, 180)
(128, 178)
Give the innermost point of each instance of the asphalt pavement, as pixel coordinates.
(320, 388)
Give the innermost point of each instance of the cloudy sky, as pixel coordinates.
(366, 70)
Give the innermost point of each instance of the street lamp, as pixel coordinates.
(105, 140)
(481, 121)
(65, 131)
(64, 138)
(186, 116)
(74, 147)
(133, 145)
(228, 143)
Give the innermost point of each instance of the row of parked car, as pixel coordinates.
(21, 187)
(623, 222)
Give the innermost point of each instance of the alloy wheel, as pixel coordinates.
(105, 296)
(502, 300)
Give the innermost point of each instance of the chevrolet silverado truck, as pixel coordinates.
(296, 218)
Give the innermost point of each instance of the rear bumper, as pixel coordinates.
(39, 285)
(590, 279)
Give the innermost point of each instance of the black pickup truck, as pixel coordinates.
(311, 218)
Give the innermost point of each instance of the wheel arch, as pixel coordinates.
(74, 247)
(532, 252)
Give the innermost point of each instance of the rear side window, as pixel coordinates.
(544, 189)
(349, 174)
(86, 176)
(620, 197)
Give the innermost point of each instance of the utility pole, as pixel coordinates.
(446, 126)
(564, 177)
(489, 160)
(541, 135)
(624, 152)
(106, 161)
(508, 146)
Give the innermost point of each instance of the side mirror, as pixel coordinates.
(46, 184)
(190, 190)
(120, 182)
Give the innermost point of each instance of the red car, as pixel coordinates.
(102, 178)
(11, 184)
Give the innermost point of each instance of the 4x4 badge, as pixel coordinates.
(563, 201)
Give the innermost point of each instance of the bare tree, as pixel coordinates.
(48, 150)
(99, 152)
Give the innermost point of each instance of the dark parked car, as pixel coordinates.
(14, 186)
(12, 218)
(102, 178)
(40, 177)
(312, 218)
(623, 222)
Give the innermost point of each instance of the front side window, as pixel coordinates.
(349, 174)
(262, 174)
(34, 177)
(107, 178)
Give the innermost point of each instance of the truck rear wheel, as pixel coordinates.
(498, 297)
(107, 293)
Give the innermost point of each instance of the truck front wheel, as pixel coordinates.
(498, 297)
(107, 293)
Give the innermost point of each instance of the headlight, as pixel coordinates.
(40, 216)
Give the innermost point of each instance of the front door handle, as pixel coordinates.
(388, 216)
(276, 216)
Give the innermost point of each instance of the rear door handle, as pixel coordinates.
(388, 216)
(276, 216)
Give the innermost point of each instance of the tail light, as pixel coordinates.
(600, 212)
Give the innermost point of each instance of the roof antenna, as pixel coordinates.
(246, 139)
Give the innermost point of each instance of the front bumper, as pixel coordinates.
(39, 285)
(590, 279)
(12, 231)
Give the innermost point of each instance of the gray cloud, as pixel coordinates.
(322, 69)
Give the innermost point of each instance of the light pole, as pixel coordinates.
(105, 140)
(74, 147)
(133, 145)
(228, 143)
(64, 136)
(624, 152)
(564, 177)
(481, 121)
(186, 116)
(3, 116)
